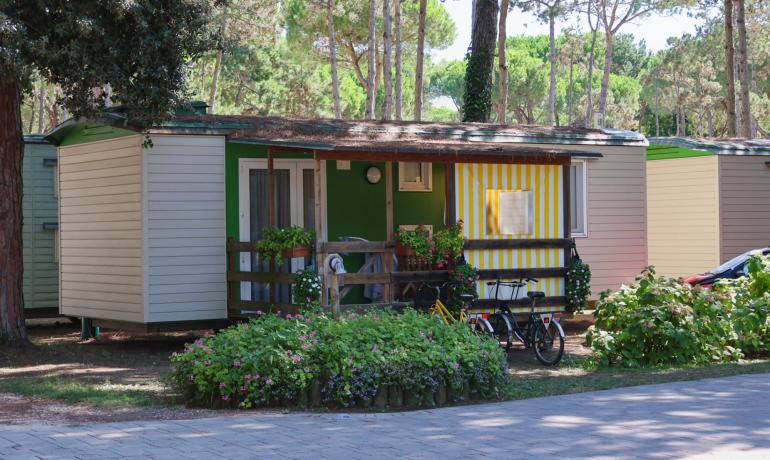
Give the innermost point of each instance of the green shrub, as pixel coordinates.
(659, 321)
(274, 360)
(750, 297)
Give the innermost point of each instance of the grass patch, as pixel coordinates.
(576, 376)
(101, 394)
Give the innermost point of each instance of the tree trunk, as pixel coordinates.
(481, 62)
(333, 59)
(709, 122)
(730, 68)
(552, 85)
(399, 73)
(502, 104)
(570, 90)
(386, 67)
(743, 69)
(371, 56)
(217, 67)
(420, 61)
(657, 108)
(606, 77)
(41, 97)
(12, 329)
(589, 83)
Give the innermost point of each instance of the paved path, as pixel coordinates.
(715, 418)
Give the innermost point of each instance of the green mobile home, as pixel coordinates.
(146, 232)
(40, 228)
(708, 201)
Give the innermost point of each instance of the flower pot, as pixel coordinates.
(466, 393)
(381, 398)
(411, 398)
(395, 396)
(298, 251)
(440, 395)
(364, 403)
(315, 394)
(426, 399)
(303, 398)
(403, 250)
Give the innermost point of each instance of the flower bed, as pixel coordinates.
(659, 321)
(379, 358)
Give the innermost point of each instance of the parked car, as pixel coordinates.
(733, 268)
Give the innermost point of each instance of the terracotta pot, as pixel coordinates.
(440, 395)
(315, 394)
(381, 398)
(299, 251)
(395, 396)
(403, 250)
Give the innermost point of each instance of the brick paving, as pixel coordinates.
(706, 419)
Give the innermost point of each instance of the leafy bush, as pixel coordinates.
(462, 280)
(659, 321)
(275, 360)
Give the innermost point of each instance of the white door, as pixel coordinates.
(294, 192)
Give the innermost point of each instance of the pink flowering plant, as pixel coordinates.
(272, 360)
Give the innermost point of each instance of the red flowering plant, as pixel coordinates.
(462, 280)
(448, 246)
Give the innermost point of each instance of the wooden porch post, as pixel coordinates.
(271, 217)
(320, 256)
(387, 257)
(566, 170)
(450, 216)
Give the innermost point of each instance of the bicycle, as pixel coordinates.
(478, 323)
(541, 332)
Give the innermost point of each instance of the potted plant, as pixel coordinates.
(290, 242)
(415, 243)
(448, 244)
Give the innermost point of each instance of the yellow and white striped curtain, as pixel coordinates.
(474, 183)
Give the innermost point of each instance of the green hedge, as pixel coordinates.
(659, 321)
(353, 360)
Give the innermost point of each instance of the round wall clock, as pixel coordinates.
(373, 174)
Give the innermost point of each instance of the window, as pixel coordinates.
(415, 177)
(577, 184)
(510, 212)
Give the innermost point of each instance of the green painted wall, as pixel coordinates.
(41, 271)
(82, 134)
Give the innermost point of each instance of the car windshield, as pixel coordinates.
(738, 261)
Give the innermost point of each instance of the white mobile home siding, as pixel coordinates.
(185, 220)
(100, 222)
(41, 270)
(683, 209)
(744, 185)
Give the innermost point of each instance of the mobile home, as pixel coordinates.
(708, 202)
(153, 235)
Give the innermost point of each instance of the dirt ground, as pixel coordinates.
(138, 363)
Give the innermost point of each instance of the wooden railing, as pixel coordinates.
(388, 277)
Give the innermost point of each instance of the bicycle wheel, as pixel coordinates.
(548, 343)
(484, 327)
(503, 330)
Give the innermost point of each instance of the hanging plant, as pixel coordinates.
(578, 283)
(278, 243)
(416, 243)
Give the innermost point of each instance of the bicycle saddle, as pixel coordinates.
(536, 294)
(467, 297)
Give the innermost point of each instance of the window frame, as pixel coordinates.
(422, 186)
(582, 205)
